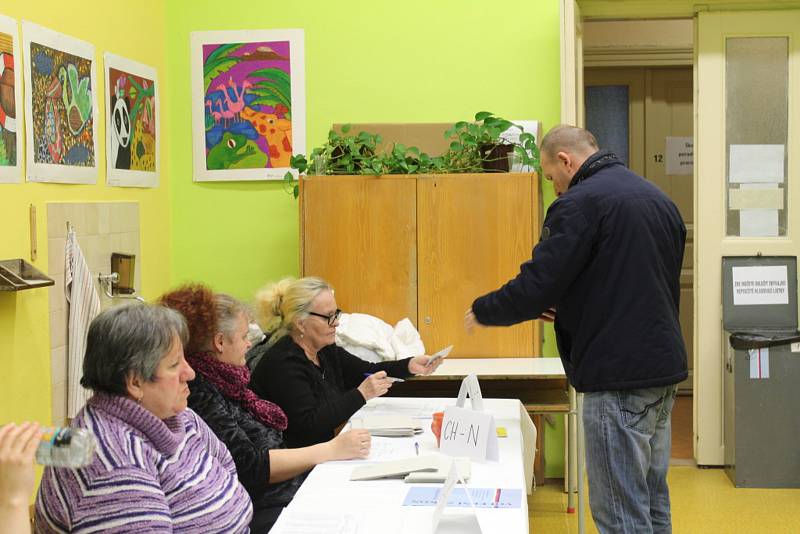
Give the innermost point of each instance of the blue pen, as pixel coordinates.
(389, 378)
(416, 447)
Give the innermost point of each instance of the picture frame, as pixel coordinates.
(11, 123)
(132, 109)
(248, 103)
(60, 107)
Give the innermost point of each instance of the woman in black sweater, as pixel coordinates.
(318, 384)
(250, 427)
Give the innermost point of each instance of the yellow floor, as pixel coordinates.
(703, 501)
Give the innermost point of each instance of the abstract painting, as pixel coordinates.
(60, 107)
(132, 141)
(10, 102)
(248, 103)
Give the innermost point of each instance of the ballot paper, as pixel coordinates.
(416, 469)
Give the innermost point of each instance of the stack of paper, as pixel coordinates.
(418, 469)
(388, 425)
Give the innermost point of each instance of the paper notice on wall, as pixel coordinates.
(760, 285)
(795, 347)
(758, 223)
(679, 155)
(756, 164)
(759, 363)
(512, 136)
(756, 198)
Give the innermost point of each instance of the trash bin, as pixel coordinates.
(762, 372)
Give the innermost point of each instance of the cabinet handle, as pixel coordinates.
(427, 319)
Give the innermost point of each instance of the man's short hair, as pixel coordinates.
(568, 138)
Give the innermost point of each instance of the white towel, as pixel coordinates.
(83, 306)
(371, 339)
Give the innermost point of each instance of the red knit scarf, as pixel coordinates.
(232, 380)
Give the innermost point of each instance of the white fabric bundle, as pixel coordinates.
(373, 340)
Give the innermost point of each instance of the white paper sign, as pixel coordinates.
(680, 155)
(463, 523)
(756, 163)
(470, 387)
(795, 347)
(469, 433)
(512, 136)
(760, 285)
(759, 363)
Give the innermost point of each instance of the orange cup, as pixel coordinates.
(436, 426)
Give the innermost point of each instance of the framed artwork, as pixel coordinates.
(10, 103)
(248, 103)
(60, 107)
(132, 120)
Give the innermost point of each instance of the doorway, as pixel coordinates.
(645, 116)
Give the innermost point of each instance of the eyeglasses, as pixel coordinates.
(332, 318)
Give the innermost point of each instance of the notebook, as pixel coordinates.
(418, 469)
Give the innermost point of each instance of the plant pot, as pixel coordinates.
(494, 158)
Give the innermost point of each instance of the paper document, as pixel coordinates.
(416, 410)
(303, 521)
(440, 355)
(458, 498)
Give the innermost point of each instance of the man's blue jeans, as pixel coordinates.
(628, 441)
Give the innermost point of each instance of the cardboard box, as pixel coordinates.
(427, 136)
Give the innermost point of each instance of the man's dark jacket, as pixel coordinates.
(609, 260)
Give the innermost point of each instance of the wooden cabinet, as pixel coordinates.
(424, 247)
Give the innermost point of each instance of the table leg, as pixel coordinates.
(572, 439)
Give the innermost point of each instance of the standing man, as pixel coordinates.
(607, 270)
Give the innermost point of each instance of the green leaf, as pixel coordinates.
(346, 128)
(224, 51)
(212, 70)
(483, 115)
(455, 146)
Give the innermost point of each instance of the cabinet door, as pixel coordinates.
(360, 234)
(473, 233)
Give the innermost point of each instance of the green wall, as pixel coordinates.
(366, 61)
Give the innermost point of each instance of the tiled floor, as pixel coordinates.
(703, 501)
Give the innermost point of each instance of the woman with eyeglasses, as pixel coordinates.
(318, 384)
(251, 428)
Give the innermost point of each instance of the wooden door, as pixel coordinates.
(473, 232)
(360, 234)
(668, 113)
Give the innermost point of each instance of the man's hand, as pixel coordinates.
(548, 316)
(470, 321)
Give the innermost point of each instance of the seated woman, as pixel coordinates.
(158, 467)
(249, 426)
(318, 384)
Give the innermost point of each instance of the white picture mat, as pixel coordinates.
(125, 177)
(45, 172)
(12, 174)
(756, 164)
(298, 98)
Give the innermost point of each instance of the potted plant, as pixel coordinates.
(480, 146)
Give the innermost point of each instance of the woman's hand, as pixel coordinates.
(422, 365)
(18, 445)
(375, 385)
(351, 444)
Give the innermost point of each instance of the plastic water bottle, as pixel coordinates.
(66, 447)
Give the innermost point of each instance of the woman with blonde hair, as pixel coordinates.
(251, 428)
(318, 384)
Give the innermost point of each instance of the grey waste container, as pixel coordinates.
(762, 374)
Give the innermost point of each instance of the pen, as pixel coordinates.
(496, 498)
(416, 447)
(389, 378)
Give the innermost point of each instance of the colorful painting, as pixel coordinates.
(10, 102)
(131, 123)
(248, 103)
(61, 106)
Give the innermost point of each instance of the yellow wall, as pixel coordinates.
(132, 29)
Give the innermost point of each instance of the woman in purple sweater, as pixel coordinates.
(158, 467)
